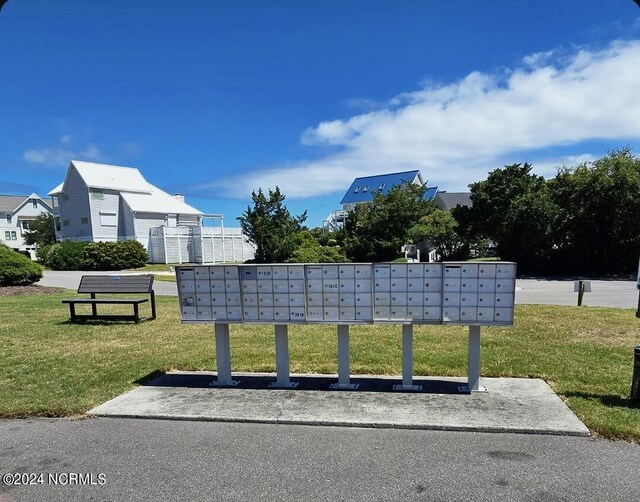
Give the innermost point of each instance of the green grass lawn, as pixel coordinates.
(50, 367)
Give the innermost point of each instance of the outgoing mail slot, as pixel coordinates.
(187, 273)
(452, 271)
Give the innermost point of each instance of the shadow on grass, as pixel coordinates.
(307, 383)
(609, 400)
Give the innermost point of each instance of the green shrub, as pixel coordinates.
(114, 255)
(17, 269)
(65, 256)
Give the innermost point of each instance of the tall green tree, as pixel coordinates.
(377, 231)
(514, 208)
(440, 228)
(41, 231)
(599, 224)
(271, 227)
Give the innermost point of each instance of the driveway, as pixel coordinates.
(618, 294)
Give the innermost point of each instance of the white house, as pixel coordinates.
(16, 211)
(99, 202)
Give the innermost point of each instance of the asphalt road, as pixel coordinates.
(176, 460)
(619, 294)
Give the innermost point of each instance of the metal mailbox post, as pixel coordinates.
(452, 293)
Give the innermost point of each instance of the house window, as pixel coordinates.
(366, 187)
(108, 219)
(381, 187)
(14, 236)
(355, 190)
(65, 223)
(97, 194)
(7, 236)
(35, 203)
(57, 223)
(84, 221)
(8, 218)
(24, 224)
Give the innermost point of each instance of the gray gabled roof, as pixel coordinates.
(449, 200)
(11, 203)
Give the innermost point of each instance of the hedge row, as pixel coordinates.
(16, 269)
(70, 255)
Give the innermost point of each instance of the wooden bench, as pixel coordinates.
(113, 285)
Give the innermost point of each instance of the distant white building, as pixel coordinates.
(99, 202)
(16, 211)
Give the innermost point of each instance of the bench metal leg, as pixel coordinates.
(72, 311)
(136, 312)
(94, 307)
(153, 305)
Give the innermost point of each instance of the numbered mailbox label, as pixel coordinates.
(296, 314)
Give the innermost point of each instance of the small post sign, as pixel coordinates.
(581, 287)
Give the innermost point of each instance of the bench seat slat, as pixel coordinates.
(124, 301)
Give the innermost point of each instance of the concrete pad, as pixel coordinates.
(510, 405)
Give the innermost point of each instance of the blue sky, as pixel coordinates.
(217, 98)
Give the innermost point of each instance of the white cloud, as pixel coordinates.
(60, 157)
(455, 133)
(67, 138)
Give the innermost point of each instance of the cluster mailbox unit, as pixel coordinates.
(465, 293)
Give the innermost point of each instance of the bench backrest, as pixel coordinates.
(116, 284)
